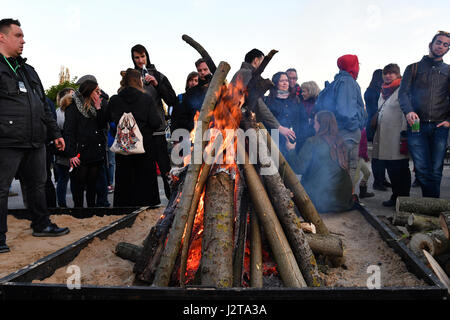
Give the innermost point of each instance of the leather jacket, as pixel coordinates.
(25, 117)
(428, 94)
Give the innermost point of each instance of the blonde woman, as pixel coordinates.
(310, 91)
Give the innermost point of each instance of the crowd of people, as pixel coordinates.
(323, 134)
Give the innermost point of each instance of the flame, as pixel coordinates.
(195, 248)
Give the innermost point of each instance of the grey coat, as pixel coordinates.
(391, 121)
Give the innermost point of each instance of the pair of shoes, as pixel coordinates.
(52, 230)
(110, 189)
(12, 194)
(379, 187)
(389, 203)
(4, 248)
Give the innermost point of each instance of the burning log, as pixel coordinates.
(444, 221)
(172, 248)
(434, 242)
(301, 198)
(284, 207)
(425, 206)
(325, 244)
(193, 209)
(400, 218)
(284, 257)
(240, 234)
(256, 264)
(418, 222)
(203, 53)
(150, 255)
(217, 243)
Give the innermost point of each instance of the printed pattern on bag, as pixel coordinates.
(128, 138)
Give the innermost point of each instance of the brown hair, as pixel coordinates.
(86, 89)
(391, 68)
(131, 78)
(61, 100)
(190, 76)
(330, 133)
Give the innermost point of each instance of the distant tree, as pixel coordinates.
(53, 90)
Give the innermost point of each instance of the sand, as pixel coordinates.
(98, 263)
(26, 249)
(364, 247)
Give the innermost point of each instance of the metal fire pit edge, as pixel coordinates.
(18, 286)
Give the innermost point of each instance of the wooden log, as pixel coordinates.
(150, 256)
(217, 242)
(327, 245)
(203, 53)
(425, 206)
(301, 198)
(444, 222)
(165, 267)
(400, 218)
(434, 242)
(241, 226)
(256, 264)
(418, 222)
(438, 270)
(287, 265)
(203, 177)
(128, 251)
(284, 208)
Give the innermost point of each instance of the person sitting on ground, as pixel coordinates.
(323, 164)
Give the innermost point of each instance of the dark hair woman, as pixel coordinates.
(288, 111)
(323, 164)
(183, 116)
(136, 180)
(85, 141)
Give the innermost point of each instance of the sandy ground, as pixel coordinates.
(364, 247)
(98, 263)
(26, 249)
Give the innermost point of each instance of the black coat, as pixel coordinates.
(84, 136)
(141, 105)
(25, 117)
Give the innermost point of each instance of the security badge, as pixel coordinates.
(22, 87)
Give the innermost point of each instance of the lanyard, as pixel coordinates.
(13, 69)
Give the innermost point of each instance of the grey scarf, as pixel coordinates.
(282, 94)
(89, 112)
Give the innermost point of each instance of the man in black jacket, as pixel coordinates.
(25, 120)
(424, 98)
(158, 87)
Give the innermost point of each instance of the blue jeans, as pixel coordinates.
(111, 165)
(62, 172)
(427, 148)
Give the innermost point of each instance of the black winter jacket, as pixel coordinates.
(428, 94)
(143, 108)
(25, 117)
(84, 136)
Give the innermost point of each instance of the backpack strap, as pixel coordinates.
(414, 67)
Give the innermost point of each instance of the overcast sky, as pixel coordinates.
(95, 37)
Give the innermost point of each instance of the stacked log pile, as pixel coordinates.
(427, 220)
(231, 209)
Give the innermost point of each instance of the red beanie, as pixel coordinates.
(349, 63)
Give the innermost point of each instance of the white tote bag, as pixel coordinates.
(128, 138)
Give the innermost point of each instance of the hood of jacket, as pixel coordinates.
(130, 95)
(349, 63)
(148, 65)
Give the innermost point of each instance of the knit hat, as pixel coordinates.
(349, 63)
(86, 77)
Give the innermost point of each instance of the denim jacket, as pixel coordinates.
(428, 94)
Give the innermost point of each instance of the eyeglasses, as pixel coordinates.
(292, 78)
